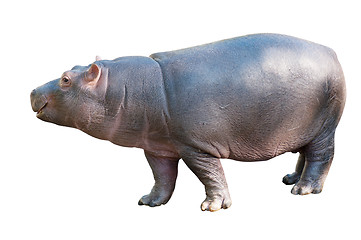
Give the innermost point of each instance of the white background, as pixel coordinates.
(59, 183)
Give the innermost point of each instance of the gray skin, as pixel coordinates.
(249, 98)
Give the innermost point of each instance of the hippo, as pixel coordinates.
(248, 98)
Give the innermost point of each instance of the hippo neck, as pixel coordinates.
(135, 105)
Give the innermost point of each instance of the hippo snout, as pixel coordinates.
(38, 101)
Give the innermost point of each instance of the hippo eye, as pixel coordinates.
(65, 82)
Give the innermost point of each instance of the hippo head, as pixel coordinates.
(73, 100)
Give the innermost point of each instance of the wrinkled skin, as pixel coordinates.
(249, 99)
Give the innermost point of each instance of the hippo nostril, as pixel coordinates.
(33, 93)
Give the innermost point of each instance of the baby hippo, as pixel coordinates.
(249, 98)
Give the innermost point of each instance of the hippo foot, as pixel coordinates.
(306, 187)
(215, 203)
(153, 200)
(292, 178)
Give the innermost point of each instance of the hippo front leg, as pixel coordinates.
(165, 172)
(210, 172)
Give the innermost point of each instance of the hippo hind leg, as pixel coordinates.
(318, 156)
(294, 177)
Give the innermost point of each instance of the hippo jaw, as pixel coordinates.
(40, 111)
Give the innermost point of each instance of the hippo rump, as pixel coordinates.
(248, 98)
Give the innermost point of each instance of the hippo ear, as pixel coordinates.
(93, 74)
(97, 58)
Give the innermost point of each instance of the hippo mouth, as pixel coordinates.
(40, 111)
